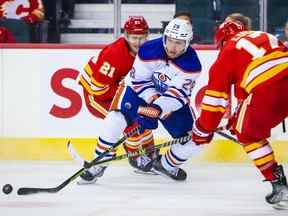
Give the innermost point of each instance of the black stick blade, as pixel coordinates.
(27, 191)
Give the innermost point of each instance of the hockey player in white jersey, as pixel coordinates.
(158, 89)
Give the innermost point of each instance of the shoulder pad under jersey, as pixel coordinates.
(117, 46)
(152, 50)
(189, 61)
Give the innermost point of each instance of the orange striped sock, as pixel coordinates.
(263, 157)
(144, 140)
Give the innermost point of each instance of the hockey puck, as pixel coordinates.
(7, 189)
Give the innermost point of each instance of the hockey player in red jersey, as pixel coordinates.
(103, 75)
(256, 64)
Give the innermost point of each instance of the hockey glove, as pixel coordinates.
(231, 123)
(133, 126)
(148, 116)
(233, 120)
(146, 123)
(151, 111)
(201, 136)
(142, 124)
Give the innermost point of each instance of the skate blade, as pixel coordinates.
(282, 205)
(151, 172)
(162, 174)
(83, 182)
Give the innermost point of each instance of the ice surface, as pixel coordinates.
(210, 190)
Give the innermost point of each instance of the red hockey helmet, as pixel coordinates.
(227, 30)
(136, 25)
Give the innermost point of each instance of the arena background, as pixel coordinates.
(42, 107)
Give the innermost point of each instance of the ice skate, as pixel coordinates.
(279, 196)
(143, 163)
(91, 175)
(176, 173)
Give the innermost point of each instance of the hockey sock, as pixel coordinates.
(102, 146)
(143, 140)
(263, 157)
(112, 129)
(179, 154)
(148, 144)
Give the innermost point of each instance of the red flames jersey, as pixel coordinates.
(249, 61)
(103, 74)
(29, 10)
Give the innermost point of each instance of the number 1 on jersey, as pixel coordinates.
(252, 48)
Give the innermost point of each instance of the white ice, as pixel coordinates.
(210, 190)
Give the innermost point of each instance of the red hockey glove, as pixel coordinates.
(231, 123)
(133, 126)
(201, 136)
(233, 120)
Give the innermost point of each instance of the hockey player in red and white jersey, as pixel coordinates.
(31, 11)
(103, 74)
(256, 64)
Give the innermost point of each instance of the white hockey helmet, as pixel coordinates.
(179, 29)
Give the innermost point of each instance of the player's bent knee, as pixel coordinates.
(113, 125)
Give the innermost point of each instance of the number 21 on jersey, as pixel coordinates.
(107, 69)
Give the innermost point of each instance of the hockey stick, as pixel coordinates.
(30, 190)
(227, 136)
(284, 126)
(136, 153)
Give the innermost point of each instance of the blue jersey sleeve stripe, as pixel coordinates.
(145, 88)
(139, 87)
(140, 82)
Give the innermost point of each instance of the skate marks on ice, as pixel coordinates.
(210, 190)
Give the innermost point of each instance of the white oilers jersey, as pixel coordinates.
(153, 74)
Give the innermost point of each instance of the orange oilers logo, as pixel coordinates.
(160, 81)
(162, 77)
